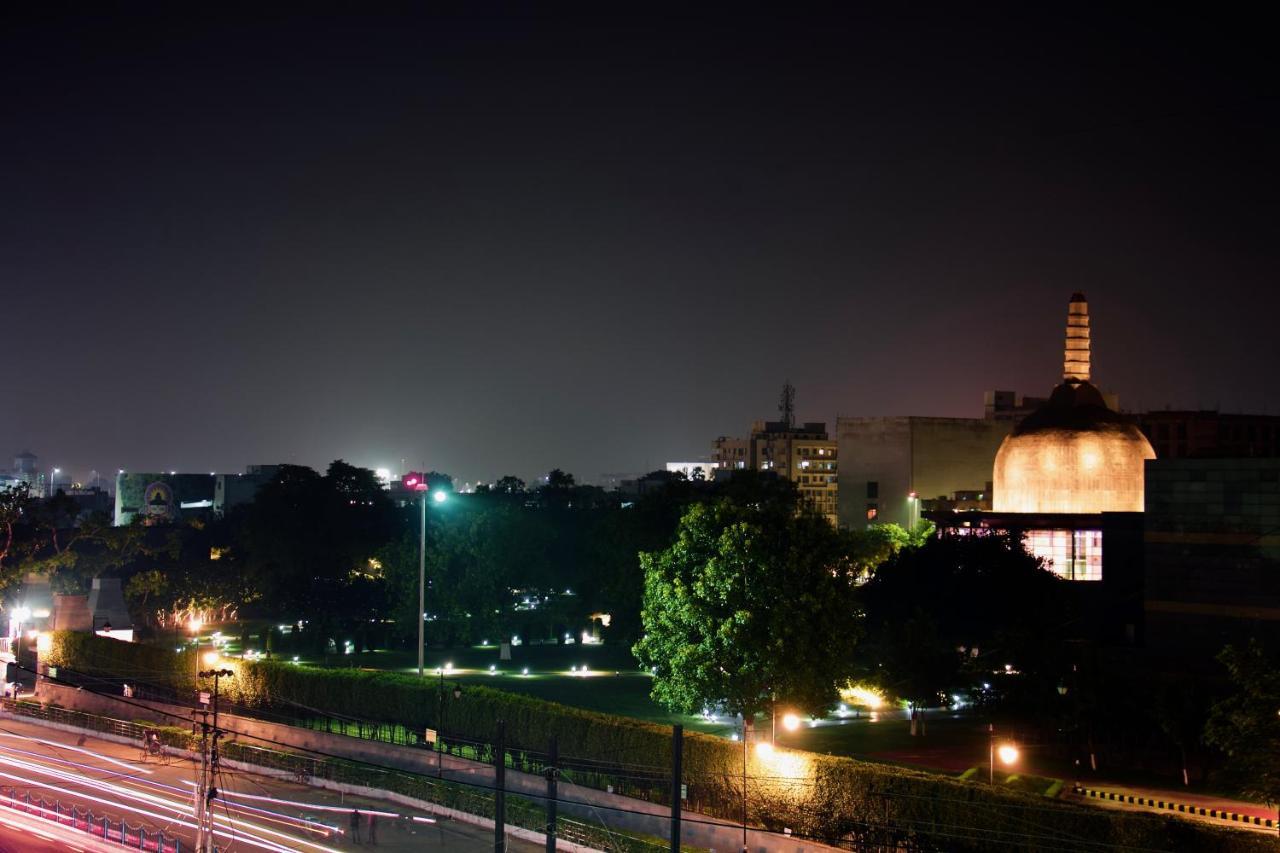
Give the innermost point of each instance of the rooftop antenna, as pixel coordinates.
(787, 405)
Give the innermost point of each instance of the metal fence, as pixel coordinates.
(86, 821)
(520, 812)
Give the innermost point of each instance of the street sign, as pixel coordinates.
(204, 697)
(431, 735)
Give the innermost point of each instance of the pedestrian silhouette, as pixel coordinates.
(355, 826)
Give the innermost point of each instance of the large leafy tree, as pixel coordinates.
(1246, 724)
(960, 603)
(749, 602)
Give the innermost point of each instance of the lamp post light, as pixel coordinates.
(457, 694)
(419, 483)
(194, 625)
(913, 509)
(1007, 752)
(53, 473)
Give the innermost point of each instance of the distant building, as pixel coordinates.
(1064, 468)
(803, 454)
(24, 471)
(890, 467)
(1211, 435)
(170, 497)
(692, 470)
(1212, 552)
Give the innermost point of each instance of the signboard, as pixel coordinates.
(431, 735)
(684, 791)
(204, 697)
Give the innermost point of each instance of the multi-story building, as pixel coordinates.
(1212, 552)
(803, 454)
(1211, 435)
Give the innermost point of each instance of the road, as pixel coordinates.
(253, 812)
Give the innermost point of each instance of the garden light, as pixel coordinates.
(790, 722)
(1008, 754)
(210, 658)
(764, 749)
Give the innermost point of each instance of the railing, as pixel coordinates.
(520, 811)
(85, 821)
(78, 719)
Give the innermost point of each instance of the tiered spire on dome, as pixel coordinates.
(1075, 365)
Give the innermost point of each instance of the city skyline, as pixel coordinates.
(596, 243)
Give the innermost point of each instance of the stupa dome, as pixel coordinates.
(1074, 454)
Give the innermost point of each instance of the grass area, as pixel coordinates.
(608, 679)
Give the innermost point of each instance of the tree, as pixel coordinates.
(509, 485)
(746, 604)
(1246, 724)
(931, 609)
(15, 510)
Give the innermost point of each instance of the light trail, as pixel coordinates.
(51, 743)
(240, 829)
(317, 806)
(263, 814)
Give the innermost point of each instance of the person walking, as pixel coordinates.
(355, 826)
(373, 829)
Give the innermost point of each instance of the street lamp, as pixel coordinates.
(194, 624)
(1007, 752)
(20, 615)
(913, 511)
(418, 482)
(457, 694)
(52, 474)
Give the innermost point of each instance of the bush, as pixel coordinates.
(813, 795)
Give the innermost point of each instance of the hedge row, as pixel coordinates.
(813, 795)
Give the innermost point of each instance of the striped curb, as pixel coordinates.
(1167, 805)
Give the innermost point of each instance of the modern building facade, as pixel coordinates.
(891, 466)
(1212, 551)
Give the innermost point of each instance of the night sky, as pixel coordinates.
(502, 244)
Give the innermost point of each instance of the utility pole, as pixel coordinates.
(207, 789)
(677, 785)
(198, 804)
(422, 582)
(499, 794)
(552, 771)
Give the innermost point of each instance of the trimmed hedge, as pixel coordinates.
(813, 795)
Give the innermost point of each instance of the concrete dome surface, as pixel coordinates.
(1074, 454)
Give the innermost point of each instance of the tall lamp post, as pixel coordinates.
(194, 625)
(418, 482)
(53, 475)
(457, 694)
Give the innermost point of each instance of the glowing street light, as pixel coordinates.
(211, 658)
(418, 482)
(1007, 751)
(790, 722)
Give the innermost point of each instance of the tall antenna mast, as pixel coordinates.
(787, 405)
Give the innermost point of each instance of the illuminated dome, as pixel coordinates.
(1074, 454)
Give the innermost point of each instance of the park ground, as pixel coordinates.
(607, 679)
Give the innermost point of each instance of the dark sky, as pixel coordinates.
(503, 244)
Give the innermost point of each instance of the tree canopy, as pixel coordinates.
(748, 603)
